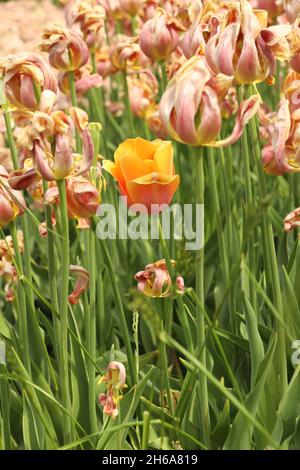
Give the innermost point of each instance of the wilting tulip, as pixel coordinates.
(115, 379)
(190, 107)
(238, 50)
(12, 202)
(292, 220)
(90, 16)
(84, 81)
(281, 155)
(22, 74)
(81, 284)
(125, 53)
(67, 50)
(144, 171)
(156, 281)
(159, 35)
(83, 198)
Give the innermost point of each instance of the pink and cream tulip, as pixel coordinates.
(190, 108)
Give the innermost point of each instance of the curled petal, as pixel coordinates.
(292, 220)
(88, 82)
(63, 162)
(81, 285)
(246, 111)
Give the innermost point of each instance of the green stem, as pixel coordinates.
(272, 258)
(127, 103)
(146, 428)
(125, 332)
(91, 343)
(65, 264)
(22, 299)
(203, 392)
(5, 410)
(74, 103)
(52, 269)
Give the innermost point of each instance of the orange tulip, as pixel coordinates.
(144, 171)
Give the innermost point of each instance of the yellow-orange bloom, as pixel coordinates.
(144, 171)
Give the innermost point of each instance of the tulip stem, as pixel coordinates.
(10, 139)
(91, 330)
(65, 263)
(125, 332)
(271, 255)
(5, 409)
(52, 268)
(203, 392)
(22, 299)
(127, 102)
(164, 77)
(74, 103)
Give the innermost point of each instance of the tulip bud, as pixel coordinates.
(190, 108)
(67, 50)
(83, 198)
(292, 220)
(159, 35)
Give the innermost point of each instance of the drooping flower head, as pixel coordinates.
(115, 379)
(159, 36)
(22, 74)
(81, 285)
(190, 108)
(155, 280)
(67, 50)
(12, 203)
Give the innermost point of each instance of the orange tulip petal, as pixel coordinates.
(163, 158)
(155, 188)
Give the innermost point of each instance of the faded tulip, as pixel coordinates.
(83, 198)
(190, 108)
(292, 220)
(81, 284)
(159, 36)
(238, 49)
(22, 74)
(115, 379)
(144, 171)
(67, 50)
(155, 280)
(131, 6)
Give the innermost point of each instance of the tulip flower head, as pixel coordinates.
(190, 108)
(159, 36)
(292, 220)
(155, 280)
(238, 50)
(81, 285)
(22, 74)
(67, 50)
(144, 171)
(115, 379)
